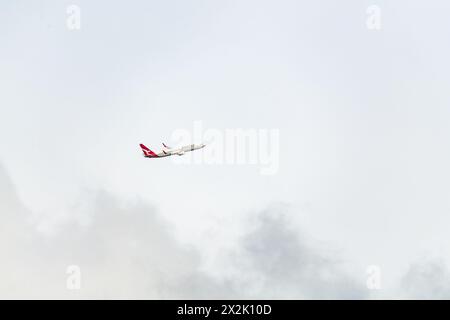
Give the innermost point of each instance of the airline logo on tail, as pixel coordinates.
(168, 151)
(147, 152)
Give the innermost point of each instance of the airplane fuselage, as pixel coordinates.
(170, 152)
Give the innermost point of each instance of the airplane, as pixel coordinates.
(168, 151)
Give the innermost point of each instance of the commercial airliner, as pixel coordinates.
(168, 151)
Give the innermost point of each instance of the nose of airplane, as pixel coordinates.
(202, 145)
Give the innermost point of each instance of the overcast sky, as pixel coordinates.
(363, 176)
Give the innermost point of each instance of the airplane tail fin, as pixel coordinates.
(147, 151)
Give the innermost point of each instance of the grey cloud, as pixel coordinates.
(426, 279)
(125, 252)
(285, 266)
(128, 251)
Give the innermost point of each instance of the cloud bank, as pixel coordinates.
(127, 251)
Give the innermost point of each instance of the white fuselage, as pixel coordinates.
(180, 151)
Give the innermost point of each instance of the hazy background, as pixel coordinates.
(363, 119)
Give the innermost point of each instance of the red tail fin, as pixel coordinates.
(147, 151)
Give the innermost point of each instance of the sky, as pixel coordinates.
(361, 180)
